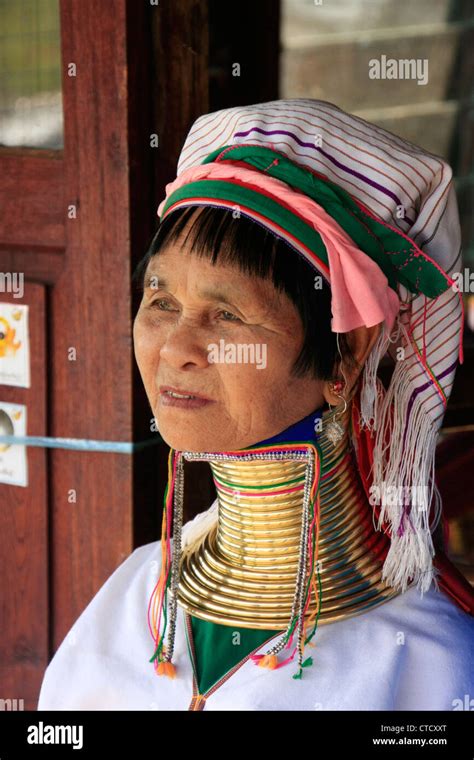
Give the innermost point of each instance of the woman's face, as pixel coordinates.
(226, 337)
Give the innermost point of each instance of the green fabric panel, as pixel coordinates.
(243, 196)
(215, 651)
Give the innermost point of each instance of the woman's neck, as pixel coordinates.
(243, 571)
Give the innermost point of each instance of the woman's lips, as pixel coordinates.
(196, 402)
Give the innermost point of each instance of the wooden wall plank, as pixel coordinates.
(180, 79)
(31, 198)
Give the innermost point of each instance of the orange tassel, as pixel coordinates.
(166, 669)
(268, 661)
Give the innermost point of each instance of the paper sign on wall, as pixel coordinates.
(13, 460)
(14, 345)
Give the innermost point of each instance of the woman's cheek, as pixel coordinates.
(150, 331)
(147, 344)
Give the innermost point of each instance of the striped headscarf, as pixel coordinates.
(377, 217)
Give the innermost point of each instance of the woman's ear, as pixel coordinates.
(361, 340)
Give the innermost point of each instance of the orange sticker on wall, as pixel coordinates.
(14, 345)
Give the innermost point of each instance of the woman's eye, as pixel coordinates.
(229, 317)
(162, 304)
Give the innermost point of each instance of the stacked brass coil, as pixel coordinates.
(243, 571)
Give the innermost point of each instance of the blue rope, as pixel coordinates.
(80, 444)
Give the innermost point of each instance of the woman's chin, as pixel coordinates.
(183, 435)
(181, 441)
(198, 441)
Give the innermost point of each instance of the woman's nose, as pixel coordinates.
(183, 346)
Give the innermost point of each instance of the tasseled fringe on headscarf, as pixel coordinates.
(404, 458)
(372, 391)
(169, 576)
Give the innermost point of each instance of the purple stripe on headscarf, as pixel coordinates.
(331, 158)
(420, 390)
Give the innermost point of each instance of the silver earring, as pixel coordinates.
(334, 430)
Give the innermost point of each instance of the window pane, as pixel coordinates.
(30, 74)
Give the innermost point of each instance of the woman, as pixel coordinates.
(298, 246)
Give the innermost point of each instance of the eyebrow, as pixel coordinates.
(212, 295)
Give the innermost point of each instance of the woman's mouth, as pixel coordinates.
(182, 399)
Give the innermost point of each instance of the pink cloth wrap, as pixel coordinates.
(360, 293)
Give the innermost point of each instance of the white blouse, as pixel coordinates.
(412, 652)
